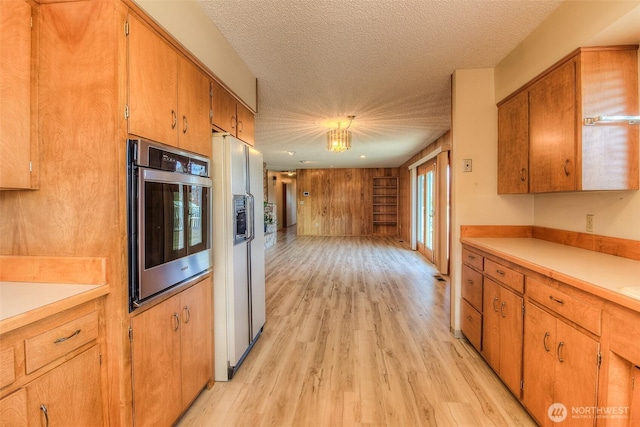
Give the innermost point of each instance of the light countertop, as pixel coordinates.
(607, 276)
(22, 303)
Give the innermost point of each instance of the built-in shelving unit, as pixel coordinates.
(385, 206)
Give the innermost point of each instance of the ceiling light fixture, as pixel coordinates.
(339, 140)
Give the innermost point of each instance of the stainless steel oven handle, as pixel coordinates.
(165, 177)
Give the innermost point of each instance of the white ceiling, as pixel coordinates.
(388, 62)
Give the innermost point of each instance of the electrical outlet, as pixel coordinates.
(466, 165)
(590, 222)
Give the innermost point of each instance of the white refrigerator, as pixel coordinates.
(238, 252)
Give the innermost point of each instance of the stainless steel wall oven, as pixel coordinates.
(169, 219)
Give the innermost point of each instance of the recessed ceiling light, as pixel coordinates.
(362, 156)
(291, 153)
(304, 161)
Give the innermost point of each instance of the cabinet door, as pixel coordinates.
(69, 395)
(552, 118)
(511, 339)
(513, 145)
(539, 362)
(15, 94)
(634, 401)
(576, 371)
(13, 409)
(491, 323)
(196, 339)
(156, 364)
(194, 128)
(245, 125)
(223, 106)
(153, 79)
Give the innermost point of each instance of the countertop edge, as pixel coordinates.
(594, 289)
(42, 312)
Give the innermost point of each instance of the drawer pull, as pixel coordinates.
(559, 301)
(469, 318)
(471, 257)
(500, 272)
(59, 340)
(495, 300)
(560, 350)
(469, 281)
(544, 341)
(502, 309)
(43, 408)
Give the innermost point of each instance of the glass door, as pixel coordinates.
(426, 209)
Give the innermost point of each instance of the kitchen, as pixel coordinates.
(80, 221)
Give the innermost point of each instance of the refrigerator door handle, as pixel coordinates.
(252, 216)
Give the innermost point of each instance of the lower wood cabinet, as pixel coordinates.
(560, 367)
(502, 333)
(171, 355)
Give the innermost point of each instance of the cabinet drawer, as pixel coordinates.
(471, 324)
(472, 259)
(504, 275)
(50, 345)
(568, 306)
(7, 367)
(472, 287)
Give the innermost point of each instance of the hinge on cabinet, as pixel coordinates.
(30, 166)
(523, 309)
(521, 384)
(210, 114)
(126, 28)
(633, 383)
(210, 92)
(126, 111)
(101, 358)
(130, 333)
(599, 360)
(31, 22)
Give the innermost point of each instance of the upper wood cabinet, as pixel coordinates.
(231, 116)
(168, 95)
(548, 132)
(513, 145)
(16, 96)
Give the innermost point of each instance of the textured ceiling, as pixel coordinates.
(388, 62)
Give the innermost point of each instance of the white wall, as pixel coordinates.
(187, 22)
(474, 198)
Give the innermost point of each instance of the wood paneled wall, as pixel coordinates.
(339, 201)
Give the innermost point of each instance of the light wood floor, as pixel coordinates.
(357, 334)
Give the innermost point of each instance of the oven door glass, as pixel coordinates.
(165, 231)
(197, 214)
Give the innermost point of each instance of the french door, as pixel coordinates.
(426, 209)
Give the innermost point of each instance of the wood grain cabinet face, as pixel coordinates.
(168, 95)
(513, 145)
(68, 395)
(13, 409)
(231, 116)
(171, 352)
(560, 366)
(15, 95)
(503, 333)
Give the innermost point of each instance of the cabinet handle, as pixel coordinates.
(502, 309)
(176, 321)
(187, 313)
(471, 257)
(174, 119)
(500, 272)
(523, 174)
(63, 339)
(470, 282)
(544, 342)
(185, 124)
(233, 122)
(43, 408)
(469, 318)
(560, 350)
(566, 167)
(559, 301)
(240, 126)
(495, 299)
